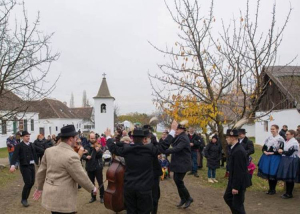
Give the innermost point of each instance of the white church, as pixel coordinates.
(48, 116)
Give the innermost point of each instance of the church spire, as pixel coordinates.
(103, 90)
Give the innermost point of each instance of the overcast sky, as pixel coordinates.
(97, 36)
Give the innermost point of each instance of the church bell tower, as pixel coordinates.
(104, 108)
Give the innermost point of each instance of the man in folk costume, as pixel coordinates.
(157, 170)
(60, 173)
(238, 174)
(25, 152)
(138, 181)
(195, 142)
(246, 142)
(181, 161)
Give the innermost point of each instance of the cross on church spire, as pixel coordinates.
(104, 74)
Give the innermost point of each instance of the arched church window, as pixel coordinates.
(103, 108)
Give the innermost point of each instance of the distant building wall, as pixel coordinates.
(289, 117)
(32, 127)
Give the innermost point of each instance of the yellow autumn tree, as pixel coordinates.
(212, 76)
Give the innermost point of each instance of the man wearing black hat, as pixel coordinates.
(246, 142)
(238, 174)
(60, 173)
(157, 171)
(181, 161)
(138, 181)
(25, 152)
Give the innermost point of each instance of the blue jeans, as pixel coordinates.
(195, 164)
(211, 173)
(10, 155)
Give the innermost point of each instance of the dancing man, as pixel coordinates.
(59, 175)
(26, 154)
(181, 161)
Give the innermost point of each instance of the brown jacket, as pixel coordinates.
(58, 176)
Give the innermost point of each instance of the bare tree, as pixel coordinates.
(25, 59)
(209, 71)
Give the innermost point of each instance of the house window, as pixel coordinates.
(266, 126)
(3, 125)
(50, 131)
(103, 108)
(56, 128)
(25, 125)
(77, 125)
(15, 126)
(32, 124)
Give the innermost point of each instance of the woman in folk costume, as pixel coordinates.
(270, 159)
(288, 167)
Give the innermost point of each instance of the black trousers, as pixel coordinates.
(289, 187)
(28, 174)
(182, 190)
(272, 185)
(138, 202)
(155, 194)
(235, 202)
(99, 176)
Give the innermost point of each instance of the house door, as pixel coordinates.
(42, 131)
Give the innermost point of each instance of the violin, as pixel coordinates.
(114, 194)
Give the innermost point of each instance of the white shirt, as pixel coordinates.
(233, 145)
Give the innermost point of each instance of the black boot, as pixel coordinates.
(188, 203)
(183, 200)
(25, 203)
(101, 200)
(93, 199)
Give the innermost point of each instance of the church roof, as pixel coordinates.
(83, 112)
(50, 108)
(103, 90)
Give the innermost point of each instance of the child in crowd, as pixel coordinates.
(164, 165)
(213, 154)
(251, 168)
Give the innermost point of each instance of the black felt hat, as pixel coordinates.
(242, 131)
(138, 132)
(24, 133)
(147, 133)
(232, 133)
(68, 131)
(147, 126)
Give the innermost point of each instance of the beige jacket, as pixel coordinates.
(58, 176)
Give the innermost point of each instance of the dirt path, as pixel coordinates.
(206, 200)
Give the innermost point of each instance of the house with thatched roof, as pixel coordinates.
(280, 103)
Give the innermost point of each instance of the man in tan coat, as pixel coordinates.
(60, 173)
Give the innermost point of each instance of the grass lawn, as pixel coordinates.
(6, 177)
(258, 184)
(3, 153)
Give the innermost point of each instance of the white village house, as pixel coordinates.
(48, 116)
(282, 96)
